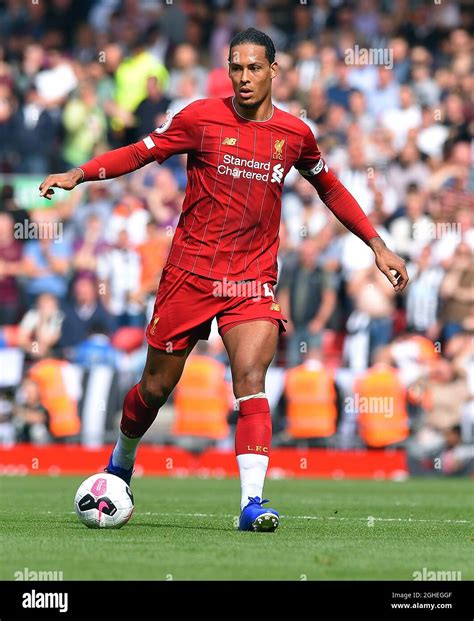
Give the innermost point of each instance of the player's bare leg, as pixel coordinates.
(251, 347)
(161, 374)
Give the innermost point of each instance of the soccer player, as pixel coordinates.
(239, 150)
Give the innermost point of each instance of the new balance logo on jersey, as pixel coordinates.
(277, 174)
(230, 141)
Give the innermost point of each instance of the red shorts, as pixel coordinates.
(187, 303)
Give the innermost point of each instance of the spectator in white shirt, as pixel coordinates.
(400, 119)
(185, 63)
(385, 95)
(412, 230)
(431, 135)
(40, 328)
(407, 170)
(358, 110)
(303, 213)
(355, 178)
(57, 82)
(422, 297)
(119, 271)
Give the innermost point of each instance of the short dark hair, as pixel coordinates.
(252, 35)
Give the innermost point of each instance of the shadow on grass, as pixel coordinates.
(81, 527)
(182, 526)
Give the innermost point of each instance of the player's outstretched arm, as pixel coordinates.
(348, 211)
(106, 166)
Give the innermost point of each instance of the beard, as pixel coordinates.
(249, 105)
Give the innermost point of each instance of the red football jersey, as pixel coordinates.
(229, 226)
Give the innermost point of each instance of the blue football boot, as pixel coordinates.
(124, 474)
(257, 518)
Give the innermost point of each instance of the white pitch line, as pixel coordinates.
(376, 519)
(311, 517)
(288, 517)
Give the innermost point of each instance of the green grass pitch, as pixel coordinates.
(183, 529)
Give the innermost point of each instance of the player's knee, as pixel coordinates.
(249, 382)
(155, 391)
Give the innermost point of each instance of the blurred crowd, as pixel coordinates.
(80, 77)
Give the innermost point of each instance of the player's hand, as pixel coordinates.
(389, 264)
(65, 181)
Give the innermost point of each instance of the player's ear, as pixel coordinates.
(273, 70)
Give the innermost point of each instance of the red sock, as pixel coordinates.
(254, 427)
(137, 417)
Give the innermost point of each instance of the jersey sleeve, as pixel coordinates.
(177, 134)
(310, 156)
